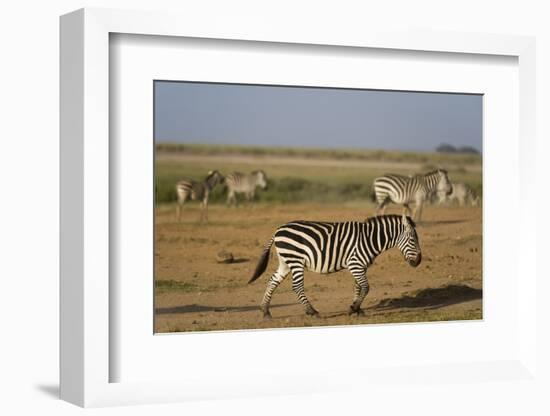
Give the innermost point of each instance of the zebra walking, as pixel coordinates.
(189, 189)
(327, 247)
(403, 190)
(238, 182)
(461, 193)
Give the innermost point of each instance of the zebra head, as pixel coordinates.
(444, 184)
(261, 178)
(214, 177)
(408, 242)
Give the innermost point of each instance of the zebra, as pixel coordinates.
(327, 247)
(462, 193)
(188, 188)
(401, 189)
(238, 182)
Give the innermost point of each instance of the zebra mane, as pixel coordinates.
(373, 220)
(433, 172)
(211, 175)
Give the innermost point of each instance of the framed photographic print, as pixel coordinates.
(333, 158)
(233, 200)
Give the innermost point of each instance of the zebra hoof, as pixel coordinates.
(267, 317)
(357, 311)
(313, 313)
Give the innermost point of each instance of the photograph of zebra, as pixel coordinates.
(403, 190)
(241, 183)
(324, 247)
(269, 200)
(194, 190)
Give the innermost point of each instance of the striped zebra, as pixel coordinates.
(327, 247)
(189, 189)
(401, 189)
(238, 183)
(461, 193)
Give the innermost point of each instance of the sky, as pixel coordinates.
(212, 113)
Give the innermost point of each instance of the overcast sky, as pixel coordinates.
(314, 117)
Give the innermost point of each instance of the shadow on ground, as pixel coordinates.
(239, 260)
(51, 390)
(431, 298)
(440, 222)
(204, 308)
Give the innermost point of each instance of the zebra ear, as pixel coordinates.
(404, 220)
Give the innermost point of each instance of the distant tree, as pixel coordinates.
(445, 148)
(468, 149)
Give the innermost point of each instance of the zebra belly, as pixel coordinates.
(306, 263)
(324, 270)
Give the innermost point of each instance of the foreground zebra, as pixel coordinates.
(327, 247)
(401, 189)
(461, 193)
(238, 183)
(189, 189)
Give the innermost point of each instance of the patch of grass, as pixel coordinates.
(296, 182)
(425, 316)
(163, 286)
(169, 285)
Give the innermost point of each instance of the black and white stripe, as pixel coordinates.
(190, 189)
(403, 190)
(327, 247)
(241, 183)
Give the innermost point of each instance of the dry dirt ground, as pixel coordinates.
(196, 293)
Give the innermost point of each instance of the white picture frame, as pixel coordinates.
(86, 356)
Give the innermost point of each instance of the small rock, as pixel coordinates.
(225, 257)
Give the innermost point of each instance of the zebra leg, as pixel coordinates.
(356, 294)
(298, 287)
(179, 206)
(361, 291)
(206, 210)
(231, 200)
(273, 283)
(382, 206)
(418, 210)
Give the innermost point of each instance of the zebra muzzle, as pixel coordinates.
(416, 262)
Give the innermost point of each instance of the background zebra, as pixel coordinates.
(327, 247)
(461, 193)
(238, 182)
(189, 189)
(401, 189)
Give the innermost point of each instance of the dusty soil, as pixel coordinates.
(196, 293)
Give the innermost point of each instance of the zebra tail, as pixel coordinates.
(262, 263)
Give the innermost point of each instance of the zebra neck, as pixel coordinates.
(210, 183)
(431, 180)
(379, 236)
